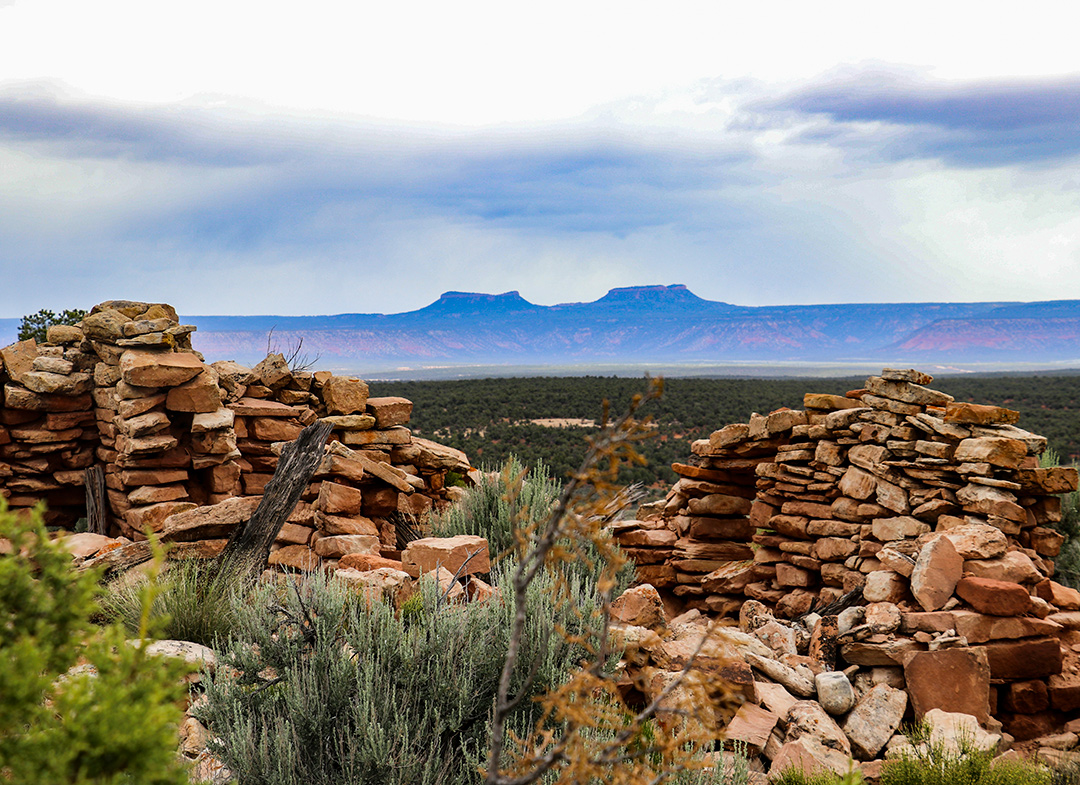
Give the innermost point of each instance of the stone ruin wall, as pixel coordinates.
(936, 510)
(126, 392)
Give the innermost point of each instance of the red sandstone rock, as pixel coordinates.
(298, 557)
(639, 606)
(995, 450)
(343, 395)
(1026, 659)
(390, 411)
(421, 556)
(979, 414)
(158, 369)
(996, 598)
(366, 561)
(338, 546)
(954, 680)
(199, 395)
(337, 499)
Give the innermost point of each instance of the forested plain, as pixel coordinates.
(490, 419)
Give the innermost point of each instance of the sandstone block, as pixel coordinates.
(898, 528)
(995, 450)
(874, 720)
(212, 421)
(1024, 660)
(337, 546)
(1013, 567)
(198, 395)
(343, 395)
(810, 756)
(808, 718)
(425, 454)
(937, 570)
(390, 411)
(979, 414)
(209, 521)
(857, 483)
(158, 369)
(366, 561)
(639, 606)
(977, 541)
(382, 584)
(297, 557)
(719, 504)
(751, 725)
(337, 499)
(273, 372)
(275, 429)
(885, 586)
(427, 554)
(954, 680)
(995, 598)
(906, 392)
(153, 517)
(340, 524)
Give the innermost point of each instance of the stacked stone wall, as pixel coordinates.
(175, 436)
(930, 518)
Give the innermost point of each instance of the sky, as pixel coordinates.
(333, 157)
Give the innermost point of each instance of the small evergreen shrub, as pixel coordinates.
(112, 720)
(36, 325)
(936, 763)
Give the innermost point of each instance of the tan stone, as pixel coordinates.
(425, 454)
(390, 411)
(937, 570)
(1062, 597)
(885, 586)
(980, 628)
(344, 395)
(1056, 479)
(273, 372)
(367, 561)
(898, 528)
(426, 554)
(208, 521)
(979, 414)
(990, 501)
(153, 517)
(275, 429)
(998, 451)
(213, 421)
(388, 437)
(729, 435)
(382, 584)
(199, 395)
(977, 541)
(133, 407)
(152, 494)
(105, 325)
(298, 557)
(158, 369)
(640, 606)
(751, 725)
(1013, 567)
(808, 718)
(906, 392)
(810, 756)
(84, 544)
(337, 499)
(953, 680)
(874, 720)
(350, 422)
(134, 477)
(145, 445)
(337, 546)
(143, 424)
(339, 524)
(719, 504)
(46, 383)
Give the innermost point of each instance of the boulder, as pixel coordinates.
(158, 369)
(937, 571)
(639, 606)
(834, 692)
(424, 555)
(952, 680)
(874, 720)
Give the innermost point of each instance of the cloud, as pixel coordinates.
(743, 194)
(1028, 121)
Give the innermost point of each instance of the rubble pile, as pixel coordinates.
(916, 529)
(187, 447)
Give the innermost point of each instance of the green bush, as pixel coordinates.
(494, 509)
(330, 689)
(37, 324)
(935, 763)
(190, 603)
(115, 719)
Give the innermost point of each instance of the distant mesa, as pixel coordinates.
(657, 324)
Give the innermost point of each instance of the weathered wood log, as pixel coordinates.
(245, 556)
(119, 560)
(97, 513)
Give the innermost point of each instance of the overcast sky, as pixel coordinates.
(328, 157)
